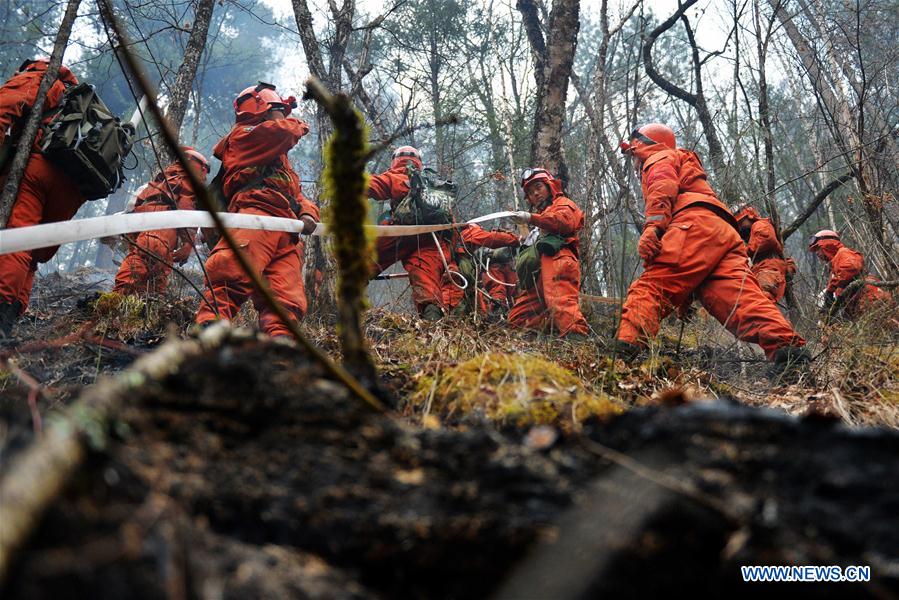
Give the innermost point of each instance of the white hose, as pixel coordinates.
(446, 266)
(19, 239)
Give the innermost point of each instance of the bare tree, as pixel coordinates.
(553, 60)
(696, 99)
(187, 72)
(859, 129)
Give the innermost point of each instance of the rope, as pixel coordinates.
(446, 266)
(487, 270)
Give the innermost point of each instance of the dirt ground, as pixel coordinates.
(247, 473)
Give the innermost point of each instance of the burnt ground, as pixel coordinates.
(245, 473)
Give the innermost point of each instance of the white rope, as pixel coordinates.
(446, 266)
(487, 270)
(20, 239)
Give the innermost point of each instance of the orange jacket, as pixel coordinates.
(170, 189)
(561, 217)
(17, 96)
(763, 242)
(474, 236)
(845, 264)
(393, 185)
(248, 151)
(672, 180)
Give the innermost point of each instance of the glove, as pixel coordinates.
(308, 224)
(649, 245)
(182, 254)
(521, 216)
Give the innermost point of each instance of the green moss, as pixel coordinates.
(523, 389)
(346, 207)
(122, 313)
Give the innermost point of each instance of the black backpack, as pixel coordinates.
(87, 142)
(429, 202)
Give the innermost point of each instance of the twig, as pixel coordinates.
(659, 478)
(346, 182)
(34, 390)
(383, 144)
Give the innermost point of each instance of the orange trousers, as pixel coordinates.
(552, 303)
(493, 284)
(274, 254)
(141, 273)
(870, 299)
(772, 276)
(45, 195)
(422, 261)
(703, 254)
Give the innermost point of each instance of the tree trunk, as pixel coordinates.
(30, 129)
(187, 72)
(554, 58)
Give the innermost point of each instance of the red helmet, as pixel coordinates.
(409, 151)
(824, 234)
(746, 212)
(193, 154)
(649, 135)
(406, 154)
(257, 100)
(41, 64)
(529, 176)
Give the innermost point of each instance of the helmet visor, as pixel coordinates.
(529, 174)
(636, 135)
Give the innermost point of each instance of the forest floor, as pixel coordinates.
(509, 463)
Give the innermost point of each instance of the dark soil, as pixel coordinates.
(247, 474)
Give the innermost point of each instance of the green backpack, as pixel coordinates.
(429, 202)
(527, 266)
(87, 142)
(527, 263)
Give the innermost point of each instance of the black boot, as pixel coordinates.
(9, 314)
(792, 355)
(576, 338)
(626, 351)
(791, 361)
(432, 312)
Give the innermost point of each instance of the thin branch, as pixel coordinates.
(815, 203)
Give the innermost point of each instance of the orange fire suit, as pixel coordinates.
(847, 265)
(768, 262)
(46, 194)
(701, 254)
(140, 271)
(421, 257)
(552, 303)
(465, 242)
(260, 181)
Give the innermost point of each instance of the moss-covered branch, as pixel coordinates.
(346, 185)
